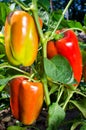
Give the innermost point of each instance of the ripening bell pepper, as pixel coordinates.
(69, 48)
(26, 99)
(21, 38)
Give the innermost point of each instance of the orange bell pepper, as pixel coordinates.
(21, 38)
(26, 99)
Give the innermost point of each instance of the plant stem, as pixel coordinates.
(47, 98)
(70, 94)
(44, 44)
(22, 6)
(60, 94)
(35, 14)
(62, 16)
(29, 78)
(45, 49)
(74, 28)
(6, 65)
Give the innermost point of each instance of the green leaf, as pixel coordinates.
(2, 55)
(85, 20)
(84, 29)
(55, 117)
(2, 48)
(45, 4)
(4, 10)
(4, 81)
(53, 20)
(15, 128)
(1, 88)
(59, 69)
(53, 89)
(81, 105)
(1, 38)
(74, 24)
(83, 56)
(56, 15)
(83, 127)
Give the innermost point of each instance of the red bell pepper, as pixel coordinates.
(69, 48)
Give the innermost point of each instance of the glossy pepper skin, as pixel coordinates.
(21, 38)
(26, 99)
(69, 48)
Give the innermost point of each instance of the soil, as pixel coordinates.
(7, 119)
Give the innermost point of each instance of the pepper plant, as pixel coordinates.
(44, 61)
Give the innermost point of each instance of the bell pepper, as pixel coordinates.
(69, 48)
(26, 99)
(21, 38)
